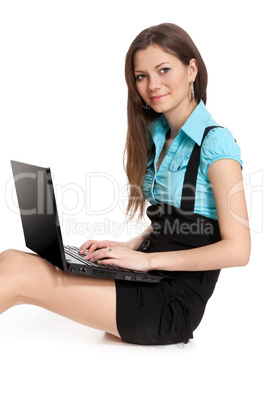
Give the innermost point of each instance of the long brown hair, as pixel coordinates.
(172, 39)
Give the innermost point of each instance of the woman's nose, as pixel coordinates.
(154, 83)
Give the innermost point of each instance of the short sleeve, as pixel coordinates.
(219, 144)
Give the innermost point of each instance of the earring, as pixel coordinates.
(192, 89)
(146, 106)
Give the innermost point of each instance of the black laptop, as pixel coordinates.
(38, 210)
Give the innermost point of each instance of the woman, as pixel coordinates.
(186, 165)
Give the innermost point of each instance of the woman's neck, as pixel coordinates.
(176, 118)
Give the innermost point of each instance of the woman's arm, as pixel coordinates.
(234, 249)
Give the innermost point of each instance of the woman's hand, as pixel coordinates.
(92, 245)
(115, 253)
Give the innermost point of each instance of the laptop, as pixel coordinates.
(42, 232)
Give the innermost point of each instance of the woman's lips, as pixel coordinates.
(157, 98)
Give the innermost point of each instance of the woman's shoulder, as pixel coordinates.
(219, 144)
(219, 134)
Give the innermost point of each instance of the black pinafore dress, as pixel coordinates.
(168, 312)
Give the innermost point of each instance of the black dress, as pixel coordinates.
(169, 311)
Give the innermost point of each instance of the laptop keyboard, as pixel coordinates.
(74, 252)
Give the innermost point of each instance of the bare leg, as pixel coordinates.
(27, 278)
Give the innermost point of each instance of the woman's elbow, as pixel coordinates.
(243, 261)
(243, 254)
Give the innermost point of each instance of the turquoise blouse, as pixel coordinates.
(165, 185)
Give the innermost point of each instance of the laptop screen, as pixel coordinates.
(38, 211)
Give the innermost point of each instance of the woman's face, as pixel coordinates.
(162, 80)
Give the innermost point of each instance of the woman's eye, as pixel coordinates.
(140, 77)
(164, 70)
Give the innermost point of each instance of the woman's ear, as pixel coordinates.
(192, 70)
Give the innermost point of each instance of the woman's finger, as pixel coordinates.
(91, 244)
(91, 250)
(103, 253)
(85, 246)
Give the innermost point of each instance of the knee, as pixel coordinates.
(25, 273)
(7, 253)
(10, 276)
(12, 263)
(16, 272)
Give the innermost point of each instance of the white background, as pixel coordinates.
(63, 105)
